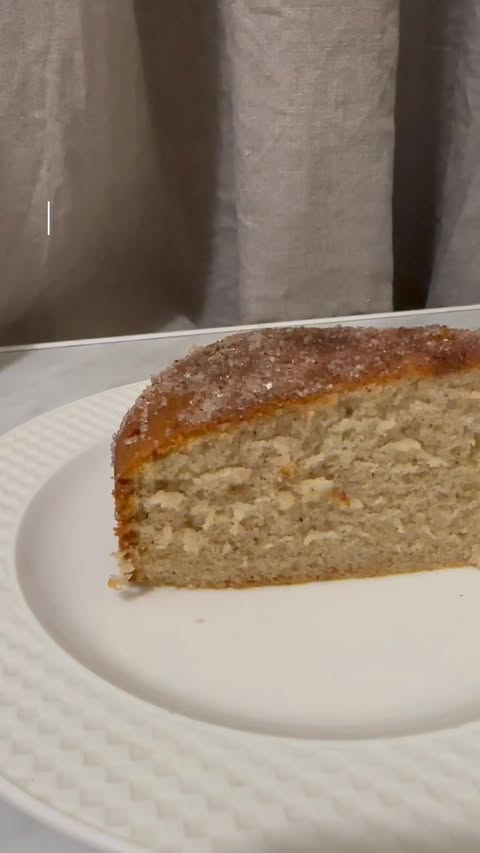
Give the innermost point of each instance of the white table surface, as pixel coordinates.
(33, 380)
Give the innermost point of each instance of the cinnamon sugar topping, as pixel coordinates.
(246, 373)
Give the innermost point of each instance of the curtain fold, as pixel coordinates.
(76, 131)
(456, 266)
(437, 162)
(313, 95)
(211, 162)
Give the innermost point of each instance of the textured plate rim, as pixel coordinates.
(68, 826)
(79, 778)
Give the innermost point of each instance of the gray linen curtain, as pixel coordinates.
(211, 162)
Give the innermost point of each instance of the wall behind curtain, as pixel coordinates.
(219, 161)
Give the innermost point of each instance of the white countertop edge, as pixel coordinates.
(81, 342)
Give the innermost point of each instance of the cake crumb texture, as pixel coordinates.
(290, 455)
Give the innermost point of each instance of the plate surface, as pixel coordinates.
(338, 716)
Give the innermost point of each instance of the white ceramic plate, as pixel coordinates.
(325, 717)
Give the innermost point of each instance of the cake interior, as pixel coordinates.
(381, 480)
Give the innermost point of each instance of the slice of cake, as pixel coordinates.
(290, 455)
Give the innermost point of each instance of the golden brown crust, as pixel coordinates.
(254, 373)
